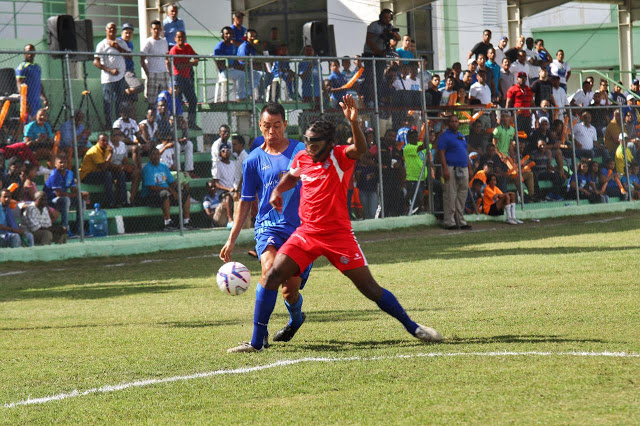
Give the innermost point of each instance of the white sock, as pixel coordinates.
(186, 220)
(167, 221)
(507, 212)
(512, 211)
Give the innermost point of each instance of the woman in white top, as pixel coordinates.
(120, 158)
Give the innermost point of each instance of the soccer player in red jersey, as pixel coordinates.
(325, 230)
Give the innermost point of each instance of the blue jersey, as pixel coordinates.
(31, 73)
(261, 172)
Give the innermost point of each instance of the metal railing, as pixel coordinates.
(385, 103)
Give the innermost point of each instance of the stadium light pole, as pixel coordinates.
(80, 211)
(377, 133)
(176, 147)
(515, 123)
(573, 152)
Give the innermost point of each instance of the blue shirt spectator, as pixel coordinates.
(66, 134)
(337, 79)
(166, 96)
(128, 62)
(257, 142)
(155, 175)
(33, 130)
(246, 49)
(31, 74)
(224, 49)
(60, 182)
(405, 54)
(171, 27)
(238, 32)
(454, 146)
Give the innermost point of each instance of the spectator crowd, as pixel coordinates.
(470, 153)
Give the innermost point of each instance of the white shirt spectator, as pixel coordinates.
(33, 218)
(499, 56)
(128, 128)
(584, 135)
(560, 69)
(166, 157)
(226, 174)
(215, 154)
(104, 53)
(583, 99)
(239, 159)
(119, 153)
(517, 67)
(151, 128)
(155, 47)
(482, 92)
(533, 69)
(407, 84)
(560, 96)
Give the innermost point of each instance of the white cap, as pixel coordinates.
(623, 136)
(541, 119)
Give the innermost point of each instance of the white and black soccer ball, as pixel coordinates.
(233, 278)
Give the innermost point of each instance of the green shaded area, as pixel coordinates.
(451, 41)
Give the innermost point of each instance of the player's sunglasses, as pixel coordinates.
(316, 139)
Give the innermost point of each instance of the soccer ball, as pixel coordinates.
(233, 278)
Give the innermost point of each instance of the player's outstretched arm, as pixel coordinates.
(287, 182)
(350, 111)
(225, 252)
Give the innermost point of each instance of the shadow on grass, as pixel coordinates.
(92, 292)
(515, 338)
(345, 346)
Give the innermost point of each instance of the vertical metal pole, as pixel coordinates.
(176, 147)
(253, 99)
(80, 211)
(377, 133)
(515, 123)
(573, 152)
(624, 153)
(320, 87)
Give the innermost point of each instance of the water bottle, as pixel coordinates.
(98, 222)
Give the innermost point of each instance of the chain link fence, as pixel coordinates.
(118, 151)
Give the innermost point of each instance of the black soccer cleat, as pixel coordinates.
(288, 331)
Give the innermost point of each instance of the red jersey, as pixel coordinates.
(323, 197)
(521, 98)
(186, 50)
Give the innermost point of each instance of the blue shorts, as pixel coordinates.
(277, 239)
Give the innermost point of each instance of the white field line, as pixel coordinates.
(4, 274)
(245, 370)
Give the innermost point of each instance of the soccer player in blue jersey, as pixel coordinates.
(261, 172)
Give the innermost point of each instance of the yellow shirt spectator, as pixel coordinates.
(620, 160)
(95, 156)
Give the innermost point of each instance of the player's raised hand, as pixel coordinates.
(349, 109)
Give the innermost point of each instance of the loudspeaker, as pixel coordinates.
(61, 34)
(317, 34)
(84, 39)
(8, 85)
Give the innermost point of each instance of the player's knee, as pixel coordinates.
(273, 278)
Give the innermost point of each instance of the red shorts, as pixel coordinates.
(341, 249)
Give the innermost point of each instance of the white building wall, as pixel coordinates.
(214, 14)
(350, 20)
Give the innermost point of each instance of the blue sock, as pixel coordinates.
(390, 305)
(265, 302)
(295, 312)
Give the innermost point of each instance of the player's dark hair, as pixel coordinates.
(251, 30)
(477, 182)
(60, 156)
(226, 28)
(155, 22)
(273, 108)
(324, 129)
(490, 175)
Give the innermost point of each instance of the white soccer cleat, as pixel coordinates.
(427, 334)
(244, 347)
(511, 222)
(518, 221)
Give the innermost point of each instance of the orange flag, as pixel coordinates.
(353, 79)
(4, 112)
(23, 103)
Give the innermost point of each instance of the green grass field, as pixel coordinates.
(528, 314)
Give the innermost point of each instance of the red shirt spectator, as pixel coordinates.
(181, 66)
(520, 96)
